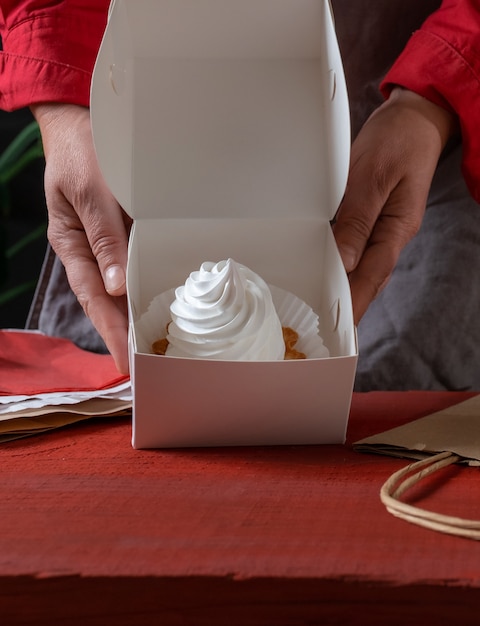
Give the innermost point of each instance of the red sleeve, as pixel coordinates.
(442, 63)
(49, 49)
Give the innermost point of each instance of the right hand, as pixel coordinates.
(87, 227)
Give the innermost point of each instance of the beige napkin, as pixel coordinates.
(35, 421)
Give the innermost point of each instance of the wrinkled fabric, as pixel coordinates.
(50, 46)
(49, 50)
(22, 362)
(55, 310)
(442, 63)
(422, 330)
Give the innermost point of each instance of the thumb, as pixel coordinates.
(109, 242)
(349, 254)
(352, 230)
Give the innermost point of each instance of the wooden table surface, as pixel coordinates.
(94, 532)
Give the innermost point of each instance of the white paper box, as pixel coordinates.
(222, 127)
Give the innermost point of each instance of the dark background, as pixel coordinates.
(25, 213)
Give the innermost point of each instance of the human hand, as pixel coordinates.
(393, 161)
(87, 228)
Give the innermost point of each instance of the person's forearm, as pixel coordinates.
(441, 63)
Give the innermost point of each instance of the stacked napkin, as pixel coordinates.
(48, 382)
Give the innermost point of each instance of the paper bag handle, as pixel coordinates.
(401, 481)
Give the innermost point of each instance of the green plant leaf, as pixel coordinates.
(25, 138)
(23, 150)
(25, 240)
(3, 255)
(10, 294)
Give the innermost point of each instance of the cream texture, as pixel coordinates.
(225, 311)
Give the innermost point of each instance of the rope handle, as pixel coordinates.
(404, 479)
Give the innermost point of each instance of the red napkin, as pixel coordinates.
(32, 363)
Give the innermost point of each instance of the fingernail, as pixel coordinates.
(114, 279)
(349, 257)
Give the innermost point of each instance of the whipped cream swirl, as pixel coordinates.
(225, 311)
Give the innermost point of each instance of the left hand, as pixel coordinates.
(392, 165)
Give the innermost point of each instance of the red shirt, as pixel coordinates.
(50, 48)
(442, 63)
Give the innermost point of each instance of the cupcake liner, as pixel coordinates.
(296, 314)
(152, 324)
(291, 310)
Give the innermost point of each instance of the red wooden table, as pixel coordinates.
(94, 532)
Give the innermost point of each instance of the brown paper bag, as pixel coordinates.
(435, 441)
(455, 429)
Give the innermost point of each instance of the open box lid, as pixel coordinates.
(222, 108)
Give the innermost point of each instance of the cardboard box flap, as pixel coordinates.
(299, 256)
(243, 115)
